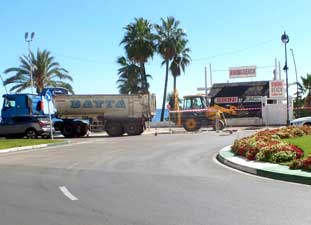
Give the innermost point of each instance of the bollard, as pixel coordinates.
(156, 132)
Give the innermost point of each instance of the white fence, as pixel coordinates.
(273, 111)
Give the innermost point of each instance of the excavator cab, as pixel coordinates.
(194, 102)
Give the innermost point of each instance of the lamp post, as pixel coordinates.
(28, 40)
(297, 94)
(285, 40)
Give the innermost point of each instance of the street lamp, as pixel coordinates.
(285, 40)
(297, 94)
(28, 40)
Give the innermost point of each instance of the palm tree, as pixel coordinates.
(299, 101)
(169, 37)
(179, 62)
(307, 85)
(129, 77)
(45, 72)
(139, 45)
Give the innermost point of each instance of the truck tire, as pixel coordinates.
(134, 129)
(114, 129)
(81, 130)
(68, 131)
(191, 124)
(140, 130)
(57, 125)
(220, 125)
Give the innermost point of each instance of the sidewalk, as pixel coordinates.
(263, 169)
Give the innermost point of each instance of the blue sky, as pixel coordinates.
(84, 37)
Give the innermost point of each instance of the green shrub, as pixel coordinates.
(283, 156)
(264, 155)
(296, 164)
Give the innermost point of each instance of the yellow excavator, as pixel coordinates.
(232, 110)
(195, 114)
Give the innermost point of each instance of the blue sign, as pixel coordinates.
(48, 95)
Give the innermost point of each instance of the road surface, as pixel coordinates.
(143, 180)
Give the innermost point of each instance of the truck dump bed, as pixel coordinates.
(107, 106)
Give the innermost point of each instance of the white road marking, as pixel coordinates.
(67, 193)
(73, 165)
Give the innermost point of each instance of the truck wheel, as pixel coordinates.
(57, 125)
(134, 129)
(140, 130)
(114, 129)
(191, 124)
(31, 133)
(81, 130)
(220, 125)
(68, 131)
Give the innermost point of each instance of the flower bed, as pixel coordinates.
(267, 146)
(304, 164)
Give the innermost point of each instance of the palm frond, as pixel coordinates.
(44, 70)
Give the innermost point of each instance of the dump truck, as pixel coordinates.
(115, 114)
(75, 115)
(195, 114)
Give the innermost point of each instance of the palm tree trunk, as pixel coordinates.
(174, 92)
(165, 89)
(175, 78)
(143, 77)
(308, 100)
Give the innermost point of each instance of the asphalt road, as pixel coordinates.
(144, 180)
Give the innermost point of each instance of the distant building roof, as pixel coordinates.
(254, 88)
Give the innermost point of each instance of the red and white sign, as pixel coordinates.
(243, 71)
(222, 100)
(276, 88)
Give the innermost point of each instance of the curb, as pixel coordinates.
(16, 149)
(158, 131)
(268, 170)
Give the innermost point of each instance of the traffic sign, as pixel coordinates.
(48, 95)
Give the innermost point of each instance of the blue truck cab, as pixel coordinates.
(21, 105)
(28, 104)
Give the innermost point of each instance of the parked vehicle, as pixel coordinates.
(303, 121)
(25, 126)
(76, 114)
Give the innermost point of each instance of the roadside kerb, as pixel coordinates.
(269, 170)
(30, 147)
(161, 130)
